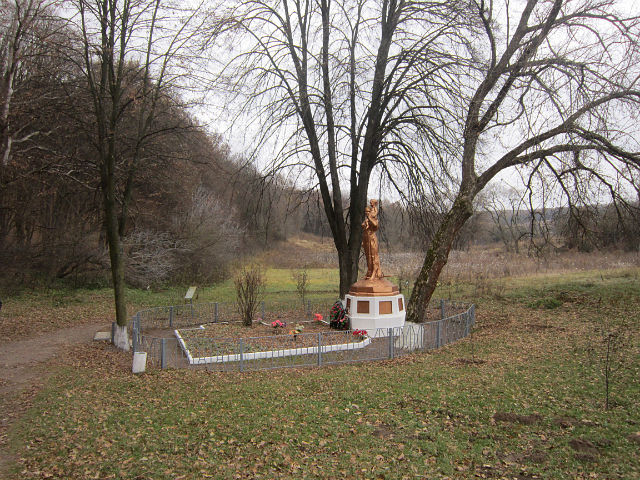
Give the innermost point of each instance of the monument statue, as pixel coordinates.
(373, 303)
(373, 282)
(370, 241)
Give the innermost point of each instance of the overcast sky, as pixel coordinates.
(240, 135)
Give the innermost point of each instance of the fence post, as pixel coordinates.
(442, 309)
(138, 325)
(163, 353)
(390, 334)
(242, 355)
(438, 333)
(170, 317)
(134, 338)
(319, 349)
(215, 312)
(467, 322)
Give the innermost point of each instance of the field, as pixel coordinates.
(523, 397)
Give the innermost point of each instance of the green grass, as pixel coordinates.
(30, 312)
(424, 416)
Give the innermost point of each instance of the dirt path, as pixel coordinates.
(23, 368)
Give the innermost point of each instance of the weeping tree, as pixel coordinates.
(134, 53)
(346, 92)
(554, 94)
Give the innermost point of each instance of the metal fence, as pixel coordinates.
(180, 316)
(193, 350)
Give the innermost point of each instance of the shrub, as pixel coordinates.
(301, 277)
(249, 283)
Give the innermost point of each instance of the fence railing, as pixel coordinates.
(190, 349)
(187, 315)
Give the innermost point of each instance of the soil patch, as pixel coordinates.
(383, 431)
(565, 422)
(584, 446)
(540, 326)
(468, 361)
(536, 456)
(634, 437)
(509, 417)
(224, 338)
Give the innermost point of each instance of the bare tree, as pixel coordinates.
(506, 210)
(439, 98)
(133, 54)
(151, 257)
(346, 91)
(553, 94)
(610, 349)
(210, 236)
(25, 26)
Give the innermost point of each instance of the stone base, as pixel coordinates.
(374, 288)
(373, 312)
(121, 337)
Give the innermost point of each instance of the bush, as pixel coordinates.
(249, 283)
(301, 277)
(152, 257)
(210, 238)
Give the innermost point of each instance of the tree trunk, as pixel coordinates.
(436, 257)
(348, 262)
(116, 255)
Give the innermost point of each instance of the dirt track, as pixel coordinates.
(23, 369)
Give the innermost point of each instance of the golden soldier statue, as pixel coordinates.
(370, 241)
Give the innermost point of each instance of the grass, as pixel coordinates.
(29, 312)
(425, 416)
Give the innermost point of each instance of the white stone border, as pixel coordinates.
(268, 353)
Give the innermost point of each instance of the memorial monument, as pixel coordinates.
(374, 302)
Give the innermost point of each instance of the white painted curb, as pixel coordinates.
(269, 353)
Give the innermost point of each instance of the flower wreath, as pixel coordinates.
(338, 317)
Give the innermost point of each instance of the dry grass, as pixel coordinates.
(531, 409)
(485, 262)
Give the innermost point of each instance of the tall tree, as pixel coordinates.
(134, 53)
(554, 95)
(25, 26)
(346, 90)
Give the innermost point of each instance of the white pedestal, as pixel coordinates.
(371, 313)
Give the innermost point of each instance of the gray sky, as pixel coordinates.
(240, 136)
